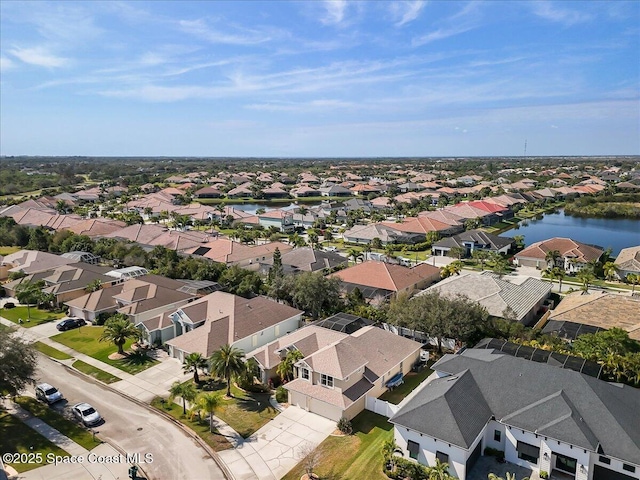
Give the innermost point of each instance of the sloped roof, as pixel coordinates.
(566, 246)
(560, 403)
(386, 276)
(629, 259)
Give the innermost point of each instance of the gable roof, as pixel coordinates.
(559, 403)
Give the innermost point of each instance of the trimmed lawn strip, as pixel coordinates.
(19, 438)
(85, 340)
(94, 372)
(66, 427)
(200, 426)
(411, 381)
(38, 316)
(4, 251)
(51, 352)
(353, 456)
(246, 412)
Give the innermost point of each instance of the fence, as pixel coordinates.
(380, 407)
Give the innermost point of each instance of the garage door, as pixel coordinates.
(471, 461)
(602, 473)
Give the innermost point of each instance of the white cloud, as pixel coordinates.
(407, 11)
(201, 29)
(548, 11)
(334, 12)
(466, 19)
(39, 56)
(6, 64)
(440, 34)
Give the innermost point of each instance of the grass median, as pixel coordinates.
(51, 352)
(94, 372)
(52, 418)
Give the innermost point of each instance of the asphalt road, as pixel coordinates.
(132, 427)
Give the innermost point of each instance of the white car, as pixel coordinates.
(86, 414)
(48, 394)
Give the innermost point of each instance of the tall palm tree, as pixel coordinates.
(586, 277)
(207, 403)
(552, 257)
(559, 274)
(118, 330)
(186, 391)
(285, 367)
(610, 270)
(633, 279)
(192, 363)
(29, 293)
(226, 362)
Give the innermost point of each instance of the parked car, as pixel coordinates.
(70, 323)
(86, 414)
(9, 305)
(48, 394)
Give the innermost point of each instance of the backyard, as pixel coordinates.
(411, 381)
(85, 340)
(19, 438)
(38, 316)
(353, 456)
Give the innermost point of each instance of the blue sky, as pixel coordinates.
(316, 78)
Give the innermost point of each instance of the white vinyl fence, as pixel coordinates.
(380, 407)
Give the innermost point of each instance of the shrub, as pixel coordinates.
(544, 474)
(282, 395)
(344, 425)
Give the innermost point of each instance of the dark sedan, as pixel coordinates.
(70, 323)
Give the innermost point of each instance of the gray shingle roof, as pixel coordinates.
(558, 403)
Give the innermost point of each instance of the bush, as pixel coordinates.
(544, 474)
(344, 425)
(282, 395)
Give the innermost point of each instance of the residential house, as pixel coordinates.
(574, 255)
(306, 259)
(280, 219)
(225, 250)
(31, 261)
(380, 281)
(67, 282)
(208, 192)
(580, 313)
(520, 299)
(544, 418)
(364, 234)
(628, 261)
(472, 240)
(221, 318)
(424, 225)
(335, 191)
(344, 322)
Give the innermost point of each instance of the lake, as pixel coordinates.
(604, 232)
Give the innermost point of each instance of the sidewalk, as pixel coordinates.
(136, 386)
(90, 467)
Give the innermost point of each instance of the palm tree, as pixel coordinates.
(285, 367)
(440, 471)
(207, 403)
(226, 362)
(586, 277)
(93, 286)
(192, 363)
(633, 279)
(29, 293)
(355, 254)
(552, 257)
(610, 270)
(457, 252)
(118, 330)
(559, 274)
(481, 256)
(186, 391)
(455, 267)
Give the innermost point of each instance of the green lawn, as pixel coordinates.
(245, 412)
(353, 456)
(85, 340)
(9, 250)
(411, 381)
(94, 372)
(38, 316)
(52, 352)
(68, 428)
(18, 438)
(216, 441)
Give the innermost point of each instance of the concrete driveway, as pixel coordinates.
(273, 450)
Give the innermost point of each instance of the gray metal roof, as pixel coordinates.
(555, 402)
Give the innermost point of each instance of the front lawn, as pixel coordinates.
(52, 418)
(38, 316)
(85, 340)
(353, 456)
(411, 381)
(19, 438)
(246, 412)
(200, 426)
(51, 352)
(94, 372)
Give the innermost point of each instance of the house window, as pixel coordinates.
(304, 373)
(629, 468)
(528, 452)
(497, 435)
(413, 449)
(604, 460)
(566, 464)
(326, 380)
(443, 457)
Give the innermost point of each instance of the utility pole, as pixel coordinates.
(525, 148)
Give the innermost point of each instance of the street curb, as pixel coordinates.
(225, 470)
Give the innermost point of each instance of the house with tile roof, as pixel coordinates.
(31, 261)
(522, 297)
(339, 370)
(424, 225)
(221, 318)
(580, 313)
(306, 259)
(225, 250)
(364, 234)
(472, 240)
(544, 418)
(628, 261)
(574, 255)
(381, 281)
